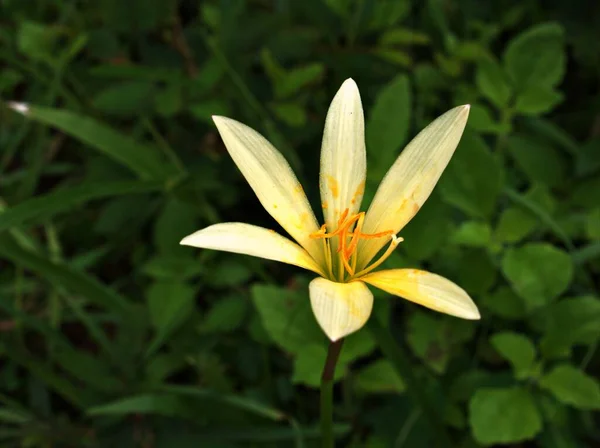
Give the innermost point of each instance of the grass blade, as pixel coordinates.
(64, 276)
(38, 209)
(143, 159)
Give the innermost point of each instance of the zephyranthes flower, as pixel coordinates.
(343, 251)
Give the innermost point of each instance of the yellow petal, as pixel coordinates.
(273, 181)
(343, 157)
(410, 180)
(340, 308)
(252, 240)
(427, 289)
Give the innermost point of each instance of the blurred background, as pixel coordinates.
(113, 335)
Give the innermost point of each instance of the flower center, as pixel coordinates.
(349, 232)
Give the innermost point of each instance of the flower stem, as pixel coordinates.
(396, 354)
(333, 354)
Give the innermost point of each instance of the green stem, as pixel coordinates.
(333, 354)
(396, 354)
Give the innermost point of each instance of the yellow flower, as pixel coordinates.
(343, 250)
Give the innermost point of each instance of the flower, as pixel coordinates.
(343, 250)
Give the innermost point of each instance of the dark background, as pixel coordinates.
(112, 335)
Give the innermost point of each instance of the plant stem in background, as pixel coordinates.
(333, 354)
(396, 354)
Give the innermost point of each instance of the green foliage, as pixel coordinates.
(504, 416)
(112, 334)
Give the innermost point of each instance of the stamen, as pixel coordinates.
(393, 244)
(347, 250)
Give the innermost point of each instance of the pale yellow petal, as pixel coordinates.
(273, 181)
(340, 308)
(343, 157)
(252, 240)
(427, 289)
(410, 180)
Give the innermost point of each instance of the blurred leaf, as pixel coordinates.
(41, 208)
(540, 162)
(427, 232)
(473, 179)
(308, 366)
(504, 302)
(63, 276)
(403, 36)
(175, 221)
(538, 272)
(572, 386)
(378, 377)
(126, 99)
(492, 83)
(537, 100)
(503, 416)
(291, 113)
(136, 15)
(569, 322)
(477, 273)
(169, 304)
(150, 403)
(296, 79)
(516, 349)
(37, 41)
(480, 119)
(226, 315)
(433, 339)
(514, 225)
(387, 126)
(536, 57)
(588, 158)
(473, 234)
(144, 160)
(287, 317)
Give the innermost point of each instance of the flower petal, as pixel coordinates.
(252, 240)
(410, 180)
(273, 181)
(340, 308)
(427, 289)
(343, 156)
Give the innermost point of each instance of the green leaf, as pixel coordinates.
(473, 179)
(125, 99)
(37, 41)
(433, 338)
(473, 234)
(504, 302)
(477, 273)
(536, 57)
(170, 303)
(572, 386)
(378, 377)
(43, 207)
(514, 225)
(516, 349)
(538, 272)
(538, 160)
(387, 126)
(492, 83)
(291, 113)
(66, 277)
(570, 322)
(480, 119)
(537, 100)
(588, 158)
(226, 315)
(427, 232)
(287, 317)
(297, 79)
(150, 403)
(503, 416)
(308, 366)
(143, 159)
